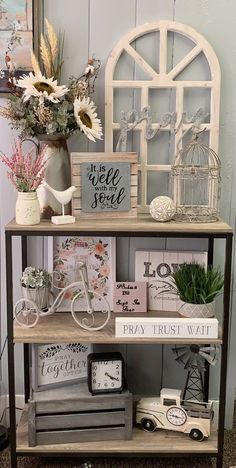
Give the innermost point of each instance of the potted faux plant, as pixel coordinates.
(26, 174)
(36, 284)
(197, 287)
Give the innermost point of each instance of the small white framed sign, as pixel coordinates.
(149, 327)
(130, 296)
(58, 364)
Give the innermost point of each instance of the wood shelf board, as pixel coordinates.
(118, 225)
(142, 442)
(61, 328)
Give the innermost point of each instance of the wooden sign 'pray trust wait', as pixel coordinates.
(130, 297)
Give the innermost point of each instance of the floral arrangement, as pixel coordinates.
(39, 105)
(35, 278)
(26, 170)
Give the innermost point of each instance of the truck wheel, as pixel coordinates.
(148, 425)
(196, 434)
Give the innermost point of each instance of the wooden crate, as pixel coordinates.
(68, 415)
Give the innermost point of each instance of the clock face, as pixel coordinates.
(106, 375)
(105, 372)
(176, 416)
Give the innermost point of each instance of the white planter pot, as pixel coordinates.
(27, 208)
(38, 295)
(197, 310)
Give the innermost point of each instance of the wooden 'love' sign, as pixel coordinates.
(106, 182)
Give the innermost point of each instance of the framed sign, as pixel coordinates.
(99, 254)
(106, 184)
(58, 364)
(156, 267)
(130, 297)
(19, 34)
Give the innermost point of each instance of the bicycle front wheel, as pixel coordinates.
(94, 319)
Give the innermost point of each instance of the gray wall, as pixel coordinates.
(94, 27)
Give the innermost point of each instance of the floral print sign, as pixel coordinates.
(16, 40)
(99, 256)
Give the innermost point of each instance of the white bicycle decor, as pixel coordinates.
(28, 311)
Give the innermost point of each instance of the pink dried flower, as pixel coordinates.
(26, 170)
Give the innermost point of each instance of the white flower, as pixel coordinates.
(2, 73)
(86, 118)
(41, 87)
(89, 69)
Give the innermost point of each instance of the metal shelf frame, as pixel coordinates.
(210, 234)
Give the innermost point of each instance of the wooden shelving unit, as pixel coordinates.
(141, 226)
(61, 328)
(165, 442)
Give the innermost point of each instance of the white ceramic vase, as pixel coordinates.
(197, 310)
(57, 174)
(27, 209)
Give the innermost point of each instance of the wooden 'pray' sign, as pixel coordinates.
(107, 184)
(130, 297)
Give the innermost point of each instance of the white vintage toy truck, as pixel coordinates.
(169, 412)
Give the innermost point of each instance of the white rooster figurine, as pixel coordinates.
(64, 197)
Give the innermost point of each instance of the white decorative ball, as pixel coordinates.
(162, 209)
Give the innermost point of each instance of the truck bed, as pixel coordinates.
(196, 409)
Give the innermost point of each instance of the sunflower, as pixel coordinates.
(86, 118)
(41, 87)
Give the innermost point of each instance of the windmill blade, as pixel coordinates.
(200, 363)
(209, 348)
(182, 357)
(179, 349)
(189, 362)
(211, 359)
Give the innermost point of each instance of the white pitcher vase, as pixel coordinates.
(27, 209)
(57, 174)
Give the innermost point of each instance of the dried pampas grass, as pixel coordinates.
(46, 57)
(35, 63)
(52, 40)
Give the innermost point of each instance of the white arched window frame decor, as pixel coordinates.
(161, 77)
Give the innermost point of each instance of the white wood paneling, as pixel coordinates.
(94, 27)
(109, 20)
(152, 10)
(72, 18)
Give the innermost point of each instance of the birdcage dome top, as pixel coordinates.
(196, 154)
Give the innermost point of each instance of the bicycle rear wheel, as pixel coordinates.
(26, 313)
(95, 320)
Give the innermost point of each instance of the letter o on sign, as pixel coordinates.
(163, 270)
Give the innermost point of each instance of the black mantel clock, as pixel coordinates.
(106, 373)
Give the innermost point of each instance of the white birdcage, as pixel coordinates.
(196, 183)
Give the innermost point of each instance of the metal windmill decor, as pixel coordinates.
(195, 360)
(196, 183)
